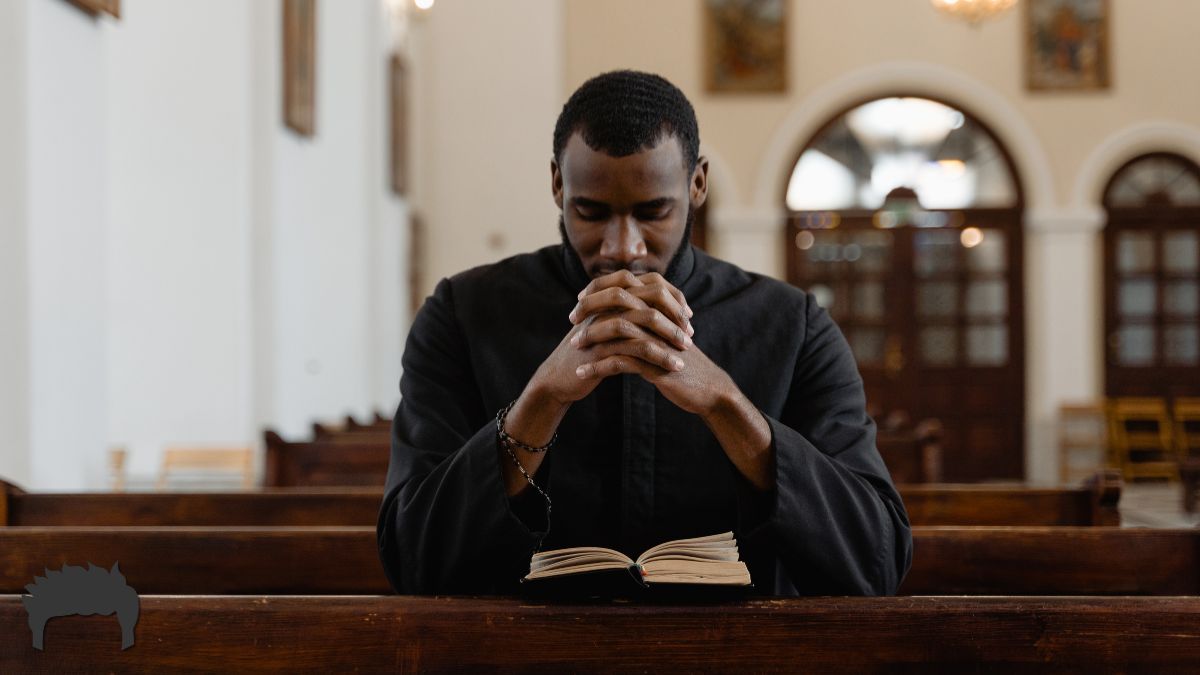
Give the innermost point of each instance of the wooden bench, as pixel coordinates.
(418, 634)
(326, 462)
(912, 455)
(927, 505)
(334, 560)
(1093, 503)
(267, 507)
(359, 455)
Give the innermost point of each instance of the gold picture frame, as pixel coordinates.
(398, 123)
(745, 46)
(300, 65)
(1067, 45)
(98, 7)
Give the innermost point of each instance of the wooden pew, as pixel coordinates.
(358, 455)
(332, 560)
(927, 505)
(1093, 503)
(912, 455)
(434, 635)
(326, 462)
(267, 507)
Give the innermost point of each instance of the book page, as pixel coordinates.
(573, 558)
(576, 567)
(695, 546)
(683, 571)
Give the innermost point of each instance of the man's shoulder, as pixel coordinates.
(520, 271)
(740, 284)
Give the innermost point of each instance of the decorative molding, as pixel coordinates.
(1138, 139)
(919, 78)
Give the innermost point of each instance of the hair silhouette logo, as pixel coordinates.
(75, 590)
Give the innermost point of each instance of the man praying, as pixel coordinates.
(623, 388)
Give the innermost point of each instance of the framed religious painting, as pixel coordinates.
(745, 46)
(300, 65)
(398, 123)
(97, 7)
(1067, 45)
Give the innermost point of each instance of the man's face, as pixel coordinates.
(626, 212)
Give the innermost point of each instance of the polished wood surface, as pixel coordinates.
(1096, 502)
(355, 459)
(270, 507)
(818, 635)
(333, 560)
(203, 560)
(936, 504)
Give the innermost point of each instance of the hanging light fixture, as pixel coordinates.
(973, 11)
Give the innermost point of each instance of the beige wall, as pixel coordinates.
(1154, 51)
(1065, 145)
(488, 87)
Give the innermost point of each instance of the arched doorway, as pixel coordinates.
(1152, 278)
(905, 223)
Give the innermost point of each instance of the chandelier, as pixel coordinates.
(973, 11)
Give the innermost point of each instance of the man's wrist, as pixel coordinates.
(535, 416)
(728, 402)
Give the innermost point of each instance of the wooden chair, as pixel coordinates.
(116, 468)
(1082, 430)
(232, 462)
(1140, 438)
(1187, 445)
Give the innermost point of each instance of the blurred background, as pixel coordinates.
(217, 217)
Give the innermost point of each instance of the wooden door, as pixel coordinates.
(934, 316)
(1152, 278)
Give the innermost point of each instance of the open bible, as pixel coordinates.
(710, 561)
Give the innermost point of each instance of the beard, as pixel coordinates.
(684, 243)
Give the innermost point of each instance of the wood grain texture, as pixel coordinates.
(926, 504)
(289, 506)
(330, 560)
(1054, 561)
(203, 560)
(820, 635)
(352, 459)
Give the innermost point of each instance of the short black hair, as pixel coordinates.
(623, 112)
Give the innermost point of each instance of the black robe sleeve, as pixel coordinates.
(446, 524)
(834, 522)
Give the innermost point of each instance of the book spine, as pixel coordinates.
(638, 574)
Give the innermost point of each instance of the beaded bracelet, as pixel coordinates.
(510, 441)
(507, 442)
(529, 479)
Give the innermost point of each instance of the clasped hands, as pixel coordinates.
(636, 324)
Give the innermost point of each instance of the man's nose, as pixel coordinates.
(623, 240)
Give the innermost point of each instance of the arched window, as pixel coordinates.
(905, 224)
(1152, 277)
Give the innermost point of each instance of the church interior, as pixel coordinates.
(219, 218)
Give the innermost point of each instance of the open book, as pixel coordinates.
(711, 560)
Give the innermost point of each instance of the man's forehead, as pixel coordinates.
(659, 166)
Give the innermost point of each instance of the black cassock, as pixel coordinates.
(630, 469)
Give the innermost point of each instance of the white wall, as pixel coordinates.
(491, 91)
(334, 234)
(179, 135)
(178, 268)
(14, 288)
(66, 235)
